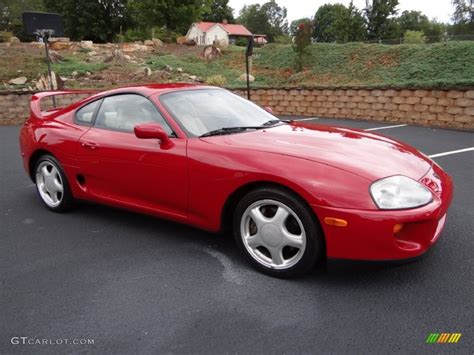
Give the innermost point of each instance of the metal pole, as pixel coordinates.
(48, 62)
(248, 79)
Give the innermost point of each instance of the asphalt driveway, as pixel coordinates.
(132, 283)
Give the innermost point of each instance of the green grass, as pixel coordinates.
(440, 65)
(226, 66)
(70, 65)
(354, 64)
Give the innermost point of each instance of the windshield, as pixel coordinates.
(205, 110)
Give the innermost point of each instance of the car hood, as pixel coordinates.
(366, 154)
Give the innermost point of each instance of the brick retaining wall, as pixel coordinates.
(435, 108)
(15, 106)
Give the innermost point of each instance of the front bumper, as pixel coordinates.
(369, 234)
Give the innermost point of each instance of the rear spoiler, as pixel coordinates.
(35, 101)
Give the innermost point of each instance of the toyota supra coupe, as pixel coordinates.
(292, 193)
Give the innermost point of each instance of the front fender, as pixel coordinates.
(215, 173)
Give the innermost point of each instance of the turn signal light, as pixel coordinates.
(337, 222)
(397, 228)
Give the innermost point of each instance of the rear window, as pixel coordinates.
(85, 114)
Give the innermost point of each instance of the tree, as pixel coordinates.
(377, 14)
(434, 31)
(269, 19)
(416, 21)
(11, 10)
(414, 37)
(337, 23)
(10, 16)
(218, 11)
(276, 17)
(294, 25)
(357, 28)
(175, 15)
(99, 21)
(463, 11)
(331, 23)
(254, 19)
(413, 21)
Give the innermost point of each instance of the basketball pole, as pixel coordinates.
(45, 35)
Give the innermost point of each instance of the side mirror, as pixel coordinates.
(268, 109)
(151, 131)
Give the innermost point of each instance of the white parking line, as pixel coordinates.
(451, 152)
(385, 127)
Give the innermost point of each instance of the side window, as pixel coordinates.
(85, 114)
(123, 112)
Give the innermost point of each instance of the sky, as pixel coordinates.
(440, 9)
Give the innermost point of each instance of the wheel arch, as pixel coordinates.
(34, 159)
(232, 200)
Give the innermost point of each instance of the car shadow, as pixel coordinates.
(329, 272)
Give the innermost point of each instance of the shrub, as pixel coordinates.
(166, 35)
(216, 80)
(132, 35)
(302, 41)
(5, 36)
(241, 42)
(284, 39)
(414, 37)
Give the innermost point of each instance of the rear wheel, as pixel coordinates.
(52, 185)
(277, 232)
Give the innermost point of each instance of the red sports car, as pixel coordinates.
(292, 193)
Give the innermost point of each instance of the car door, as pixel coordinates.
(118, 167)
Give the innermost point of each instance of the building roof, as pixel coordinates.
(231, 29)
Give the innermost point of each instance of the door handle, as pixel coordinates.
(90, 145)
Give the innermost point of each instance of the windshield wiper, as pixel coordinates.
(271, 123)
(228, 130)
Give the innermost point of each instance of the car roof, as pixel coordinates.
(151, 89)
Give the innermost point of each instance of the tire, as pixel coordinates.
(52, 184)
(277, 232)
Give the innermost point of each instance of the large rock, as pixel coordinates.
(195, 78)
(210, 53)
(181, 40)
(14, 39)
(134, 47)
(221, 43)
(59, 45)
(42, 83)
(87, 44)
(243, 77)
(36, 44)
(18, 81)
(153, 43)
(117, 55)
(59, 39)
(158, 42)
(55, 57)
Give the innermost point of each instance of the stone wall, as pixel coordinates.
(435, 108)
(15, 106)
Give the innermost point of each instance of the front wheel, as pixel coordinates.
(277, 232)
(52, 184)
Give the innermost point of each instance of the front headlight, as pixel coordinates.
(399, 192)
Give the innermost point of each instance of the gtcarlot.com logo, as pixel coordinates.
(50, 341)
(452, 338)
